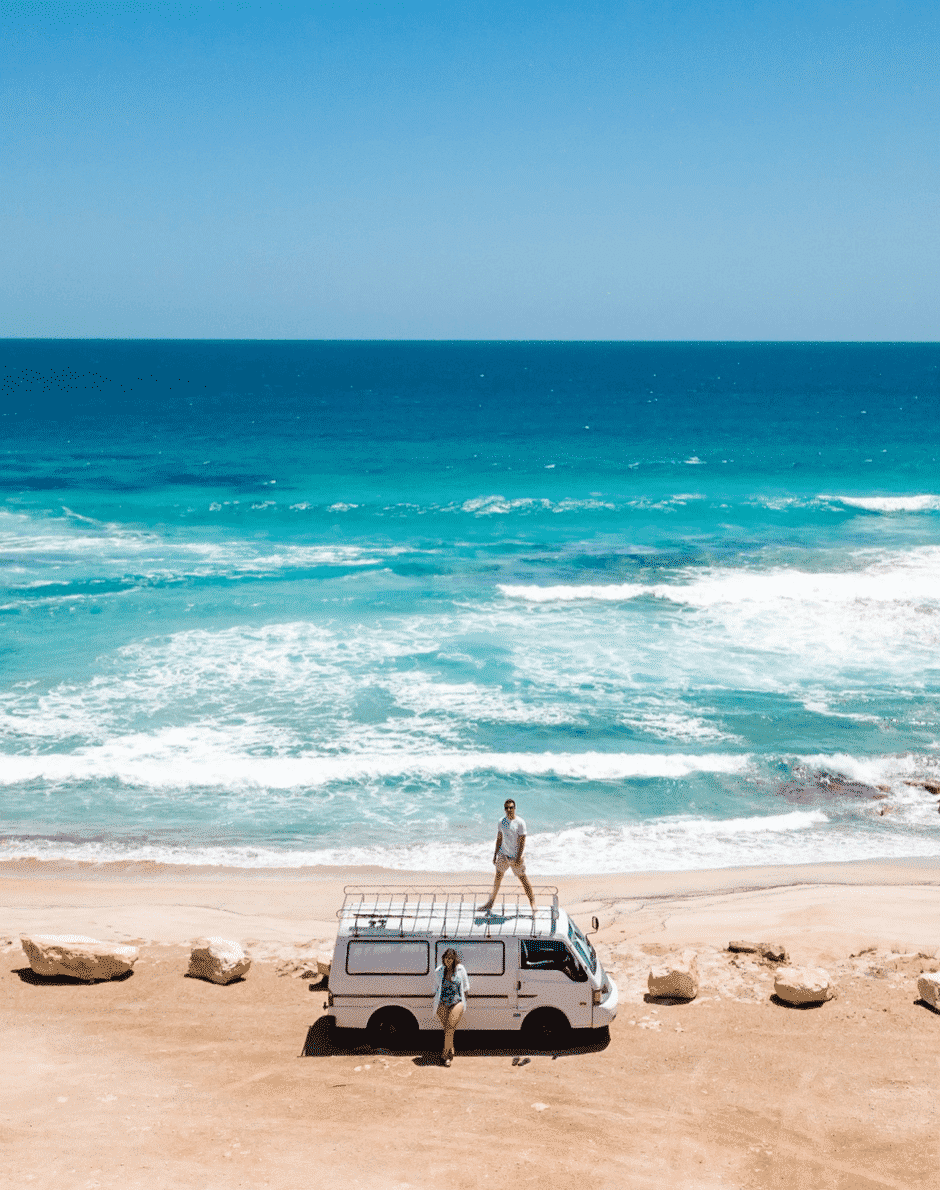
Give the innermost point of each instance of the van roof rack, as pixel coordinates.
(388, 908)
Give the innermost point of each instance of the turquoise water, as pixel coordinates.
(294, 603)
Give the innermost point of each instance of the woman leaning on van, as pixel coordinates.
(450, 1000)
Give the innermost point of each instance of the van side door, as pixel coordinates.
(550, 976)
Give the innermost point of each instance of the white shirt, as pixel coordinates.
(512, 832)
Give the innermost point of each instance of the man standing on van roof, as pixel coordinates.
(510, 844)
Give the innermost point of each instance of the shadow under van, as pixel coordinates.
(324, 1040)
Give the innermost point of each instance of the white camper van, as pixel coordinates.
(535, 972)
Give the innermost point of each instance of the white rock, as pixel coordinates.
(676, 977)
(78, 956)
(803, 985)
(217, 959)
(929, 987)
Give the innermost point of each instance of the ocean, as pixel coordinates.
(277, 604)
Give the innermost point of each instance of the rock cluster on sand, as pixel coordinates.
(675, 978)
(77, 956)
(773, 952)
(307, 966)
(803, 985)
(928, 986)
(218, 960)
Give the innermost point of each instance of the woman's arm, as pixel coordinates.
(439, 975)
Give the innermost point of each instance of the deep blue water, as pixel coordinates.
(301, 602)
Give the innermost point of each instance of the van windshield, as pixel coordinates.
(582, 946)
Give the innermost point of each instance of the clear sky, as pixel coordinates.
(664, 169)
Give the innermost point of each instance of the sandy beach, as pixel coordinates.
(158, 1080)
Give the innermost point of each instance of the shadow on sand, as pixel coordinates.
(775, 999)
(324, 1040)
(202, 979)
(28, 975)
(665, 1001)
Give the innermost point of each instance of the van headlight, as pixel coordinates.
(601, 993)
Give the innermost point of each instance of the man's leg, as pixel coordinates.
(524, 880)
(497, 881)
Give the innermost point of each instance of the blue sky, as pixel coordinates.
(657, 170)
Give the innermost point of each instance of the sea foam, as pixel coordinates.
(177, 759)
(890, 504)
(879, 577)
(677, 844)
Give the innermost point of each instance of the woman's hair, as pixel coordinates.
(448, 953)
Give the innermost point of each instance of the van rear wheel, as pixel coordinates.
(392, 1027)
(546, 1027)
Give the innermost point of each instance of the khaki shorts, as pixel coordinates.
(504, 863)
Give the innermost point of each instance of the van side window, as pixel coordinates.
(539, 955)
(478, 958)
(368, 957)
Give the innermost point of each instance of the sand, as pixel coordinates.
(158, 1080)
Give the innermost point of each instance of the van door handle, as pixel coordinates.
(518, 985)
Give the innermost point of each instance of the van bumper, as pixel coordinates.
(605, 1012)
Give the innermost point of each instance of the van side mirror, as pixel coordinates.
(595, 924)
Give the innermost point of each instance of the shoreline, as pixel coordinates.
(892, 869)
(885, 901)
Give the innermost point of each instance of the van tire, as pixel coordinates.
(546, 1027)
(392, 1027)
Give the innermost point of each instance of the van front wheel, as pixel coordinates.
(546, 1027)
(392, 1027)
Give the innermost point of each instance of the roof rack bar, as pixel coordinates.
(403, 909)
